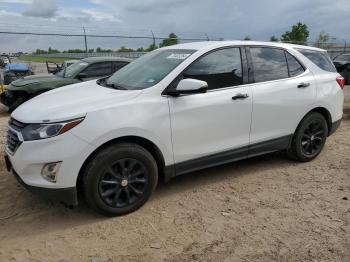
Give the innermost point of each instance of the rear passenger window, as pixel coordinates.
(294, 67)
(269, 64)
(321, 59)
(222, 68)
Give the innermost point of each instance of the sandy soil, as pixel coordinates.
(263, 209)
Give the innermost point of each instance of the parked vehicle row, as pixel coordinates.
(172, 111)
(23, 89)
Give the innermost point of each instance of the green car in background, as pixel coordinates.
(23, 89)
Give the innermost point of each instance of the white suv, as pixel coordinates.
(170, 112)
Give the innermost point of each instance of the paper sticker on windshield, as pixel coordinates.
(178, 56)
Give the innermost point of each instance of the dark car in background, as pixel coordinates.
(28, 87)
(342, 63)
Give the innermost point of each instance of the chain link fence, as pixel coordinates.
(87, 43)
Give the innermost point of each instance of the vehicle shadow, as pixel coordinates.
(30, 215)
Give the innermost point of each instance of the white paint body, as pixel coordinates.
(183, 128)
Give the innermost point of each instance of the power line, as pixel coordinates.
(99, 36)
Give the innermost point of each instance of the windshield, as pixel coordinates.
(343, 57)
(149, 69)
(73, 69)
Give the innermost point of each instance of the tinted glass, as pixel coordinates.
(99, 69)
(149, 69)
(295, 68)
(321, 59)
(222, 68)
(118, 65)
(269, 64)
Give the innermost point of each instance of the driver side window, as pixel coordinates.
(221, 68)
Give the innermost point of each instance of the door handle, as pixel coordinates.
(240, 96)
(303, 85)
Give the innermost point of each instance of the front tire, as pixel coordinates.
(120, 179)
(309, 138)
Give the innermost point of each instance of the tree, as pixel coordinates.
(125, 49)
(324, 40)
(171, 40)
(298, 35)
(273, 39)
(247, 38)
(151, 47)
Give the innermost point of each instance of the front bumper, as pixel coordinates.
(29, 158)
(65, 195)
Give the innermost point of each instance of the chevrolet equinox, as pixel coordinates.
(172, 111)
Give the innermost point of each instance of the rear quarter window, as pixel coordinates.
(319, 58)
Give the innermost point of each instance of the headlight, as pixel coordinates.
(42, 131)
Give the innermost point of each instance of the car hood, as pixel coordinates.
(71, 102)
(35, 79)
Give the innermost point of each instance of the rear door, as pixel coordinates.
(213, 127)
(283, 91)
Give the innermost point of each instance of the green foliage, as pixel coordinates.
(151, 48)
(74, 51)
(171, 40)
(100, 50)
(273, 39)
(124, 49)
(298, 34)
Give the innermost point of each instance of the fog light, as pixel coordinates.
(50, 171)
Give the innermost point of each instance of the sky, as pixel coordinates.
(213, 19)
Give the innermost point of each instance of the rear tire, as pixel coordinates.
(309, 138)
(120, 179)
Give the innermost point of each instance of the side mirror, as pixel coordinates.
(81, 76)
(189, 86)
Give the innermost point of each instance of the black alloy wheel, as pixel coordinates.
(119, 179)
(313, 138)
(123, 182)
(309, 138)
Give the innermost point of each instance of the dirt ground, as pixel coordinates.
(267, 208)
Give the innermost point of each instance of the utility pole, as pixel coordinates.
(154, 39)
(86, 48)
(207, 37)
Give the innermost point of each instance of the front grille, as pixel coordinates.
(13, 141)
(13, 135)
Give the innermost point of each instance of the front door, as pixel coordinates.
(212, 128)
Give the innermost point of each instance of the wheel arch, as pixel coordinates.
(324, 112)
(141, 141)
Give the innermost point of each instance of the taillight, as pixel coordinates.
(341, 81)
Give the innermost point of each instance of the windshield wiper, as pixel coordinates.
(103, 82)
(116, 86)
